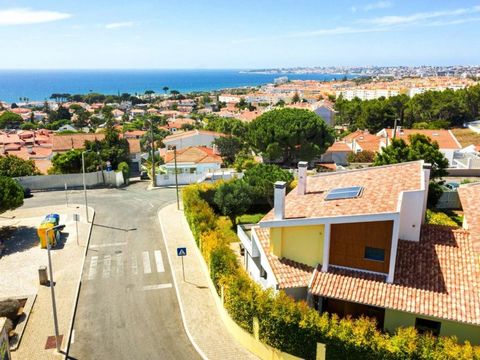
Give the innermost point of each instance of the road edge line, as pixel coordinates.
(77, 295)
(175, 285)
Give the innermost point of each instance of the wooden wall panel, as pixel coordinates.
(348, 242)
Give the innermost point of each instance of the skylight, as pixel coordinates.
(344, 193)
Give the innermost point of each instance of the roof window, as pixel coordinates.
(344, 193)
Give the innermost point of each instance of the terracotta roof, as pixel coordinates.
(288, 273)
(339, 146)
(437, 276)
(470, 198)
(77, 141)
(194, 154)
(444, 138)
(381, 188)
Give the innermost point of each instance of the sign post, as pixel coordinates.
(76, 218)
(182, 252)
(66, 193)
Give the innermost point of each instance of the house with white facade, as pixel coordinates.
(192, 138)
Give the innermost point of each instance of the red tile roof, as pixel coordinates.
(288, 273)
(444, 138)
(194, 154)
(339, 146)
(470, 199)
(438, 276)
(186, 134)
(381, 188)
(77, 141)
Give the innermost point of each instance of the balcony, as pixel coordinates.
(244, 233)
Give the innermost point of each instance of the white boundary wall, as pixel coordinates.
(51, 182)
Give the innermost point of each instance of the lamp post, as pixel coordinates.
(152, 145)
(84, 183)
(52, 289)
(174, 147)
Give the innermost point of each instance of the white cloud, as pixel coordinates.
(418, 17)
(25, 16)
(118, 25)
(382, 4)
(384, 23)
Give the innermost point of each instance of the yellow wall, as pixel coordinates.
(303, 244)
(395, 319)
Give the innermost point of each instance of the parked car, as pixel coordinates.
(144, 175)
(452, 186)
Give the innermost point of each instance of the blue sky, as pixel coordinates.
(237, 34)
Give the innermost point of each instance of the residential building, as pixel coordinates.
(191, 138)
(193, 164)
(355, 243)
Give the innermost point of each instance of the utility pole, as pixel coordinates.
(84, 183)
(154, 180)
(176, 179)
(394, 134)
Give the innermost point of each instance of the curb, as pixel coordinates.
(182, 313)
(77, 294)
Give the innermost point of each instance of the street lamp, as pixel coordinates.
(174, 147)
(84, 183)
(52, 290)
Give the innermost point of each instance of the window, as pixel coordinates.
(374, 254)
(423, 326)
(344, 193)
(263, 273)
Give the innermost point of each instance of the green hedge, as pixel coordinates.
(292, 326)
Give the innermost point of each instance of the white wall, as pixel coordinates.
(194, 140)
(52, 182)
(411, 215)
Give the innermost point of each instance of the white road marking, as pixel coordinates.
(107, 263)
(93, 268)
(73, 337)
(107, 245)
(156, 287)
(159, 261)
(134, 265)
(147, 269)
(119, 264)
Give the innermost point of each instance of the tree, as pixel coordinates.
(365, 156)
(69, 162)
(61, 114)
(290, 135)
(296, 98)
(420, 148)
(233, 198)
(262, 178)
(9, 120)
(11, 194)
(175, 93)
(13, 166)
(229, 147)
(165, 89)
(226, 126)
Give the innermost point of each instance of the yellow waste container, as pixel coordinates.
(42, 234)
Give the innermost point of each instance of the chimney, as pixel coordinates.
(279, 200)
(302, 178)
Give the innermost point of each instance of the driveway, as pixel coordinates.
(127, 307)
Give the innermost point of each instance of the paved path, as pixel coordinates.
(19, 269)
(201, 314)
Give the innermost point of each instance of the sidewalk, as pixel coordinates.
(199, 311)
(67, 262)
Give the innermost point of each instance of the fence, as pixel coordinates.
(449, 200)
(56, 182)
(186, 178)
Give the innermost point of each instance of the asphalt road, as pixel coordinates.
(127, 307)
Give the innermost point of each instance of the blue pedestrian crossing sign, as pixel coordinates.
(181, 251)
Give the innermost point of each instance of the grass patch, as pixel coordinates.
(466, 137)
(249, 218)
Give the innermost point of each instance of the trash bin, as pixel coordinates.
(48, 222)
(42, 275)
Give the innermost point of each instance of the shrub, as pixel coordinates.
(361, 157)
(9, 309)
(125, 169)
(439, 218)
(223, 262)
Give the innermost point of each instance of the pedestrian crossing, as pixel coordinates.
(117, 265)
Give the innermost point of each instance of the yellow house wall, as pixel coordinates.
(303, 244)
(395, 319)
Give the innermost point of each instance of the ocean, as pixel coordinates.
(38, 85)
